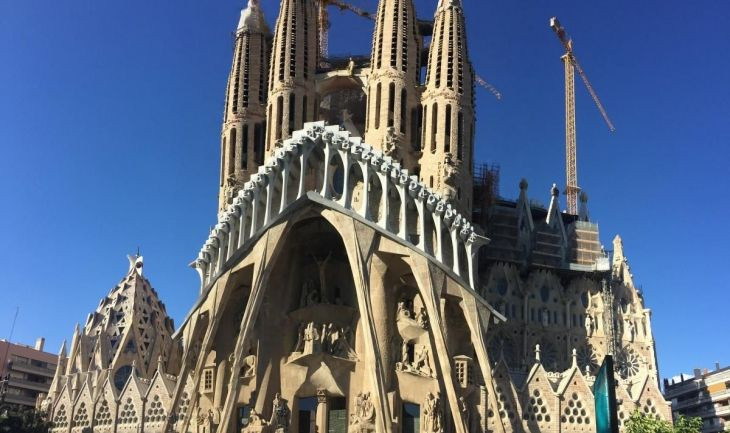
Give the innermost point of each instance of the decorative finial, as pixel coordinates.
(136, 263)
(537, 352)
(575, 358)
(523, 184)
(555, 191)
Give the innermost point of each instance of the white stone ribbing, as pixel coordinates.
(310, 159)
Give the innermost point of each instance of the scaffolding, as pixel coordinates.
(486, 190)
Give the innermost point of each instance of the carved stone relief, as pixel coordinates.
(325, 338)
(363, 419)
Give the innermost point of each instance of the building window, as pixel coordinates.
(258, 143)
(232, 152)
(244, 148)
(292, 113)
(337, 415)
(279, 116)
(434, 126)
(447, 129)
(391, 104)
(207, 384)
(411, 418)
(460, 136)
(377, 105)
(244, 412)
(403, 112)
(307, 407)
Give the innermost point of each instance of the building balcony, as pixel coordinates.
(20, 399)
(702, 399)
(28, 368)
(27, 384)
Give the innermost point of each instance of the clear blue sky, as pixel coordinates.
(110, 116)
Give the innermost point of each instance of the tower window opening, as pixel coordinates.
(244, 148)
(223, 158)
(460, 135)
(430, 181)
(281, 43)
(404, 38)
(403, 108)
(378, 98)
(258, 144)
(450, 59)
(394, 38)
(447, 129)
(416, 124)
(381, 31)
(306, 46)
(236, 75)
(293, 44)
(439, 55)
(434, 126)
(391, 104)
(232, 152)
(292, 113)
(246, 69)
(460, 53)
(262, 71)
(279, 115)
(304, 109)
(271, 130)
(421, 124)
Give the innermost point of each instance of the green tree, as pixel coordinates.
(641, 423)
(26, 421)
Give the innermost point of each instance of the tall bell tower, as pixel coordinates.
(448, 106)
(292, 95)
(244, 119)
(393, 95)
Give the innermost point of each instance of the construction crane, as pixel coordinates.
(324, 22)
(571, 65)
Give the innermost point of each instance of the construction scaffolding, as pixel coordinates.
(486, 190)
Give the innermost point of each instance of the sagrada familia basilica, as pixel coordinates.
(354, 280)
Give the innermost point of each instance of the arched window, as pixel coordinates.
(377, 105)
(232, 152)
(304, 109)
(403, 112)
(292, 113)
(460, 136)
(258, 143)
(223, 158)
(447, 129)
(391, 104)
(434, 126)
(244, 148)
(279, 116)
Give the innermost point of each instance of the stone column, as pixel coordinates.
(322, 411)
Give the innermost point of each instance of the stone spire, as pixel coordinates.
(244, 119)
(393, 112)
(292, 95)
(448, 107)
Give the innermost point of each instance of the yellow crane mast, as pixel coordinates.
(571, 65)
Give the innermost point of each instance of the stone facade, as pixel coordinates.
(343, 291)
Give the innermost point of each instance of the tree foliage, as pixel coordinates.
(26, 421)
(641, 423)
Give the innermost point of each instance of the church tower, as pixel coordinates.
(244, 119)
(292, 96)
(393, 96)
(448, 106)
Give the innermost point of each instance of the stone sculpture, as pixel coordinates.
(362, 420)
(433, 414)
(280, 415)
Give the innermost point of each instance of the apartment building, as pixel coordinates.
(26, 371)
(705, 394)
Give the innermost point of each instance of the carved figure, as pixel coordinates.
(421, 362)
(433, 414)
(310, 294)
(545, 317)
(322, 267)
(631, 330)
(589, 325)
(390, 143)
(280, 415)
(249, 364)
(328, 338)
(403, 310)
(422, 318)
(363, 418)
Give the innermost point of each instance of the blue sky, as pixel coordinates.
(110, 116)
